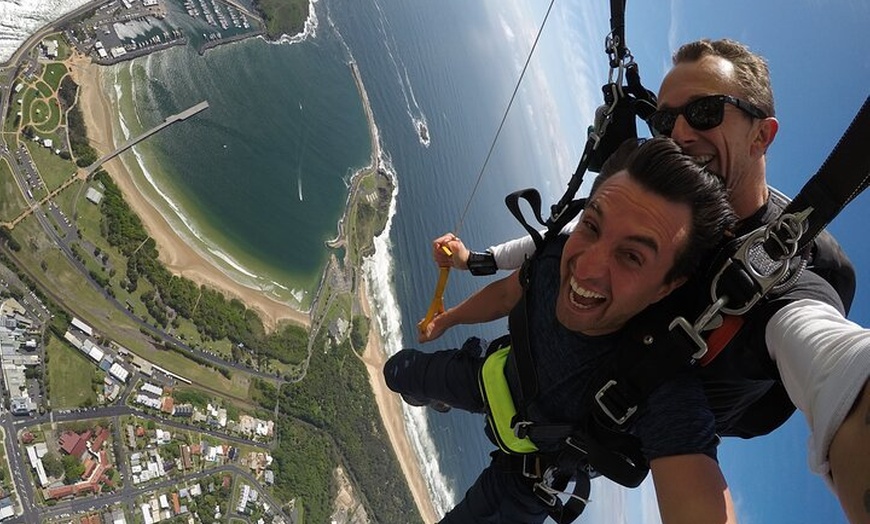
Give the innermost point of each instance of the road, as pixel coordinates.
(46, 30)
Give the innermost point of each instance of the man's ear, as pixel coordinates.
(667, 287)
(764, 135)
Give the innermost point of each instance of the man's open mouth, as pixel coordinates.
(583, 298)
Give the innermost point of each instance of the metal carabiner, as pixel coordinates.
(604, 112)
(693, 331)
(754, 260)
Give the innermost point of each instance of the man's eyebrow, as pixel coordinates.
(644, 240)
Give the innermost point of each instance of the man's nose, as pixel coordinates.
(683, 133)
(592, 263)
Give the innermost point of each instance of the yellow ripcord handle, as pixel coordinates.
(436, 307)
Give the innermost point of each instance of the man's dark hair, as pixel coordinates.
(660, 166)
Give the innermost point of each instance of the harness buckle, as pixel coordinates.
(693, 331)
(572, 442)
(759, 269)
(600, 399)
(693, 336)
(544, 489)
(521, 428)
(532, 466)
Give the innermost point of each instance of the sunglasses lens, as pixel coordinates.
(662, 122)
(705, 113)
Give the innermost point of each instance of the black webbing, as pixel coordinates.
(842, 177)
(617, 30)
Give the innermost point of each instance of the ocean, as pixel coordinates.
(258, 181)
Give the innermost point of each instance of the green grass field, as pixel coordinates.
(44, 89)
(53, 74)
(70, 374)
(48, 117)
(30, 94)
(53, 169)
(12, 202)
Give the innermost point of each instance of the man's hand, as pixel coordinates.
(459, 257)
(435, 329)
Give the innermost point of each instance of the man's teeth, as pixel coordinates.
(583, 293)
(703, 161)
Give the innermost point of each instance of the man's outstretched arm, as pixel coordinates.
(490, 303)
(824, 361)
(507, 256)
(849, 456)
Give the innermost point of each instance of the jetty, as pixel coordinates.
(178, 117)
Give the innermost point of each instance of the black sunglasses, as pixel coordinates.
(702, 114)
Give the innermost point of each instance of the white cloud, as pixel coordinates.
(674, 24)
(506, 29)
(567, 74)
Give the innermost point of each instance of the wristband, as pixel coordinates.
(481, 264)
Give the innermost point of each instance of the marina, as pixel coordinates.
(126, 29)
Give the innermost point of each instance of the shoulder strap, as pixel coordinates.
(533, 198)
(518, 324)
(553, 226)
(842, 177)
(827, 259)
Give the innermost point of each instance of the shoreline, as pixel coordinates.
(181, 259)
(178, 257)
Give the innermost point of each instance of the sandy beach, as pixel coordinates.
(390, 407)
(181, 259)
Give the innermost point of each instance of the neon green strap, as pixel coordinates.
(500, 404)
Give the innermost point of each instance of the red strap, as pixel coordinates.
(721, 336)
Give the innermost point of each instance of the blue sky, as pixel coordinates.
(820, 68)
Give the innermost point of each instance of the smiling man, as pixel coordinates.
(652, 215)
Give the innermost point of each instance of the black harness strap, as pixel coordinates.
(615, 120)
(616, 39)
(523, 361)
(533, 198)
(842, 177)
(549, 483)
(553, 225)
